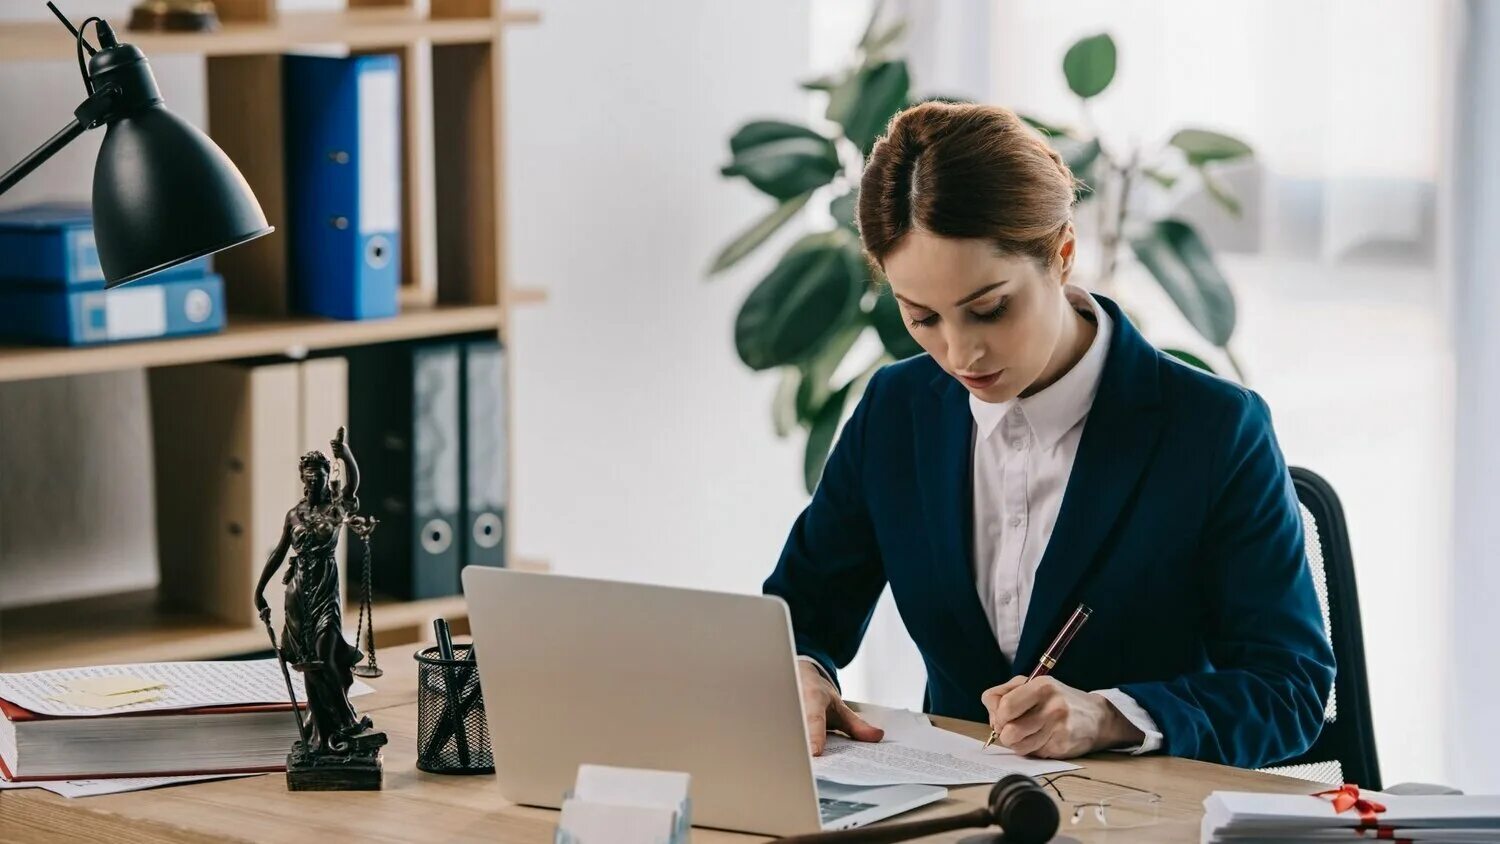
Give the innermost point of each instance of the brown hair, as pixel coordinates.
(964, 171)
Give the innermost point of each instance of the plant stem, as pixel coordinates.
(1234, 364)
(1111, 234)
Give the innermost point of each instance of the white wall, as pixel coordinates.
(644, 449)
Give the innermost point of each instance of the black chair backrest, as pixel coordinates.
(1345, 750)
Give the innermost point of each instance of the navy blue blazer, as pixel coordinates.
(1179, 527)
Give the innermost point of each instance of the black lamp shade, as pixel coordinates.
(164, 193)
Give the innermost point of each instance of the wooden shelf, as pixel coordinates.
(130, 627)
(526, 296)
(356, 28)
(245, 337)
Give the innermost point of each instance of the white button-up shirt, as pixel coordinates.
(1023, 455)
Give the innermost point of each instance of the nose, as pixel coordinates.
(965, 349)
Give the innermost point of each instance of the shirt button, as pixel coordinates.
(1016, 412)
(1018, 444)
(1005, 599)
(1015, 521)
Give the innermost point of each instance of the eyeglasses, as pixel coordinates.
(1131, 808)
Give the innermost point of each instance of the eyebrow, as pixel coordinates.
(961, 302)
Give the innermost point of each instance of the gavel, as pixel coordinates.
(1017, 804)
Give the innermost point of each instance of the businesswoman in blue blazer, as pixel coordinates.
(1042, 454)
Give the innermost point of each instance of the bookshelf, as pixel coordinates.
(453, 267)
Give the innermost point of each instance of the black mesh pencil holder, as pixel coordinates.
(449, 743)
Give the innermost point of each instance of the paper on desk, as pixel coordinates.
(188, 685)
(914, 751)
(83, 700)
(118, 684)
(92, 788)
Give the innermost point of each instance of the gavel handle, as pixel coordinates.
(896, 832)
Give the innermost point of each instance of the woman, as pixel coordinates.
(1041, 455)
(312, 638)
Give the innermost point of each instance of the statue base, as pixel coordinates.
(358, 770)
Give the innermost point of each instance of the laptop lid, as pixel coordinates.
(576, 670)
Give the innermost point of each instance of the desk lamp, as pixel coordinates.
(164, 193)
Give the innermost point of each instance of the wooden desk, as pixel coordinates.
(427, 808)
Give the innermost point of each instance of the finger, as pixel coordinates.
(991, 697)
(1023, 699)
(858, 728)
(817, 732)
(1036, 741)
(1016, 732)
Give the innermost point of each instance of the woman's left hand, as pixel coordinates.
(1048, 719)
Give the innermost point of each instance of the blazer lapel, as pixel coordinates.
(946, 481)
(1119, 437)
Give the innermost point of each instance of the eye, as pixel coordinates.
(994, 313)
(925, 322)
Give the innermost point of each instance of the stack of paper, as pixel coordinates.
(914, 751)
(1245, 818)
(147, 720)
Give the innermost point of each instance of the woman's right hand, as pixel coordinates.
(262, 607)
(825, 710)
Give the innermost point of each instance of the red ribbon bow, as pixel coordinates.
(1346, 797)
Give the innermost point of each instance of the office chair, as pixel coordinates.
(1345, 750)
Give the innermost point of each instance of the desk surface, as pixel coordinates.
(428, 808)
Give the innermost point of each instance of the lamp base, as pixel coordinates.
(174, 16)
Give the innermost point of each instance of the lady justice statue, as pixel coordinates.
(339, 749)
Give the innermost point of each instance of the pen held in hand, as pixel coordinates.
(1053, 653)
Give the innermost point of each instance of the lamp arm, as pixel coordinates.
(94, 111)
(41, 154)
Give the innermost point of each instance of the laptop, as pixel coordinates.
(579, 671)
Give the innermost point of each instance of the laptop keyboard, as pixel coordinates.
(835, 810)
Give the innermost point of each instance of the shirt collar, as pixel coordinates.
(1066, 401)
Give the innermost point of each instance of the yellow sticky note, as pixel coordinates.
(88, 701)
(117, 684)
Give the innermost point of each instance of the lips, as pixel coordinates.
(980, 382)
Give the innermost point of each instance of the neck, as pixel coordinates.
(1073, 342)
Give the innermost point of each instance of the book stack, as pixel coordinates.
(52, 286)
(148, 720)
(1348, 814)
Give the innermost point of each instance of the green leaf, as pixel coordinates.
(1190, 359)
(1202, 146)
(868, 101)
(1220, 193)
(1078, 155)
(827, 82)
(820, 437)
(1089, 65)
(891, 326)
(1048, 130)
(787, 167)
(1166, 180)
(784, 403)
(843, 209)
(817, 371)
(869, 34)
(758, 132)
(757, 234)
(793, 311)
(1181, 263)
(877, 42)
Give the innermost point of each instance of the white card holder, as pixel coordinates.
(625, 806)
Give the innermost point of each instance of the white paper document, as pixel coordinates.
(92, 788)
(185, 685)
(1251, 818)
(913, 751)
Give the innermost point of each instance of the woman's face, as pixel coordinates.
(314, 477)
(992, 321)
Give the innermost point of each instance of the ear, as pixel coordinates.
(1067, 250)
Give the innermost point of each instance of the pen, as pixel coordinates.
(1053, 653)
(445, 652)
